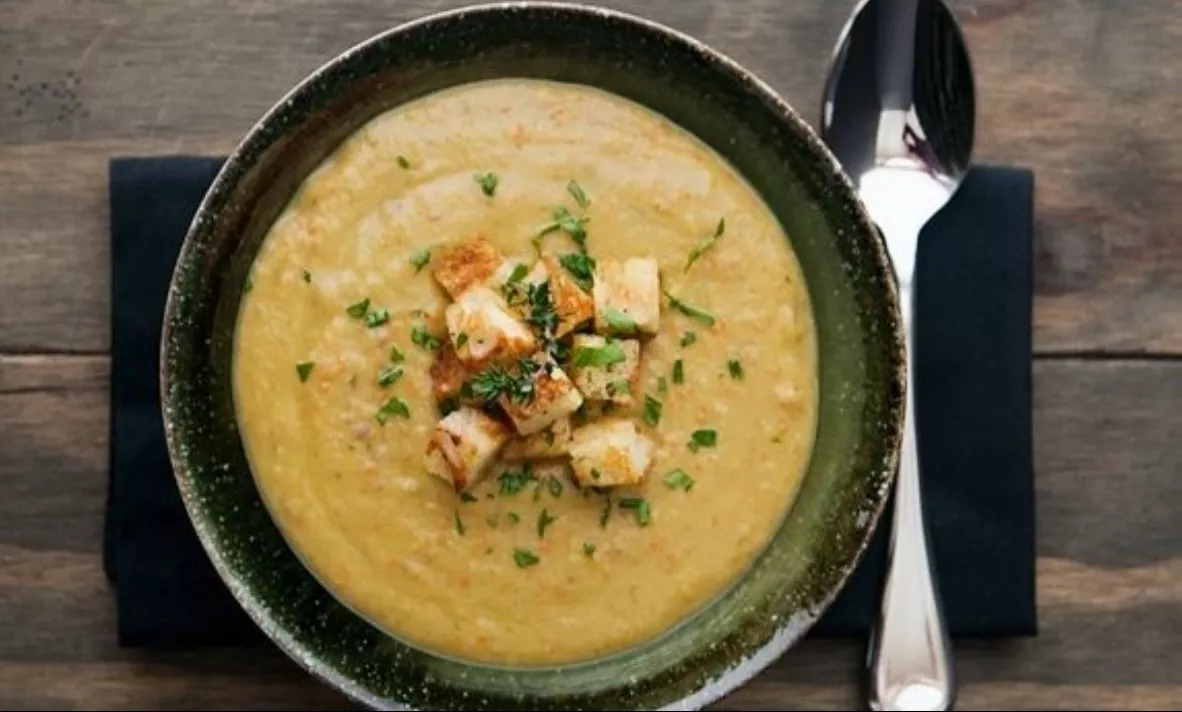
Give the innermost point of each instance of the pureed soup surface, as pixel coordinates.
(343, 324)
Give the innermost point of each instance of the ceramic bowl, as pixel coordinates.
(860, 357)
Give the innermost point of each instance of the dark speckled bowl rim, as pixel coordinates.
(790, 630)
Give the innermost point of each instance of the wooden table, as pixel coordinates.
(1087, 92)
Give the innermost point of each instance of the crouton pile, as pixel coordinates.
(538, 361)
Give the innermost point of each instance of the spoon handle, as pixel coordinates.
(909, 659)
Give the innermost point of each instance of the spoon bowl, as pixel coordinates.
(899, 115)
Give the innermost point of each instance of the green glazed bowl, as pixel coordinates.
(862, 375)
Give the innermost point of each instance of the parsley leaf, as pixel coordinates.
(459, 524)
(466, 496)
(678, 372)
(392, 407)
(514, 481)
(403, 161)
(581, 268)
(545, 519)
(519, 273)
(603, 356)
(652, 410)
(690, 311)
(555, 487)
(461, 340)
(702, 438)
(705, 243)
(568, 223)
(396, 355)
(304, 370)
(619, 321)
(578, 194)
(524, 558)
(419, 336)
(307, 276)
(359, 309)
(377, 317)
(679, 479)
(419, 258)
(588, 549)
(640, 506)
(735, 368)
(606, 514)
(662, 386)
(488, 182)
(388, 375)
(688, 338)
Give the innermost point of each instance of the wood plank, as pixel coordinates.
(1077, 89)
(1110, 566)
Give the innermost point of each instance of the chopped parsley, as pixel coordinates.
(393, 407)
(640, 506)
(304, 370)
(419, 258)
(702, 438)
(652, 411)
(466, 496)
(359, 309)
(396, 356)
(662, 386)
(488, 183)
(690, 311)
(545, 519)
(496, 381)
(678, 372)
(403, 161)
(524, 558)
(518, 273)
(514, 481)
(679, 479)
(461, 340)
(688, 338)
(377, 317)
(555, 486)
(419, 336)
(706, 243)
(307, 276)
(619, 321)
(606, 515)
(563, 220)
(588, 549)
(618, 387)
(576, 191)
(512, 517)
(460, 529)
(601, 356)
(388, 375)
(581, 267)
(735, 368)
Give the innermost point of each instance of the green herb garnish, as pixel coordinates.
(688, 338)
(514, 481)
(678, 372)
(461, 340)
(518, 273)
(706, 243)
(652, 410)
(307, 276)
(392, 407)
(606, 515)
(601, 356)
(459, 524)
(735, 368)
(396, 356)
(496, 381)
(702, 438)
(568, 223)
(388, 375)
(304, 370)
(581, 267)
(447, 406)
(488, 183)
(555, 486)
(512, 517)
(619, 386)
(679, 479)
(662, 386)
(403, 161)
(467, 497)
(578, 194)
(690, 311)
(419, 258)
(419, 336)
(619, 321)
(359, 309)
(588, 549)
(545, 519)
(524, 558)
(377, 317)
(640, 506)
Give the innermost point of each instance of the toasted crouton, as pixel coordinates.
(573, 306)
(483, 330)
(466, 264)
(550, 441)
(627, 296)
(448, 373)
(554, 396)
(610, 453)
(606, 373)
(463, 445)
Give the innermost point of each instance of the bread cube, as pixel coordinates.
(573, 306)
(549, 442)
(466, 264)
(627, 293)
(609, 453)
(616, 381)
(448, 373)
(463, 446)
(483, 330)
(554, 396)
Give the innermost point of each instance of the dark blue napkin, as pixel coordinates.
(973, 350)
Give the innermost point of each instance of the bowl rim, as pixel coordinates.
(790, 631)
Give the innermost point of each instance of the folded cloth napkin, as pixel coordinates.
(973, 349)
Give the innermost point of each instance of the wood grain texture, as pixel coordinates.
(1109, 568)
(1086, 92)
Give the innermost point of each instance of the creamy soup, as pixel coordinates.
(526, 373)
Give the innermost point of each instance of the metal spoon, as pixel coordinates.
(899, 114)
